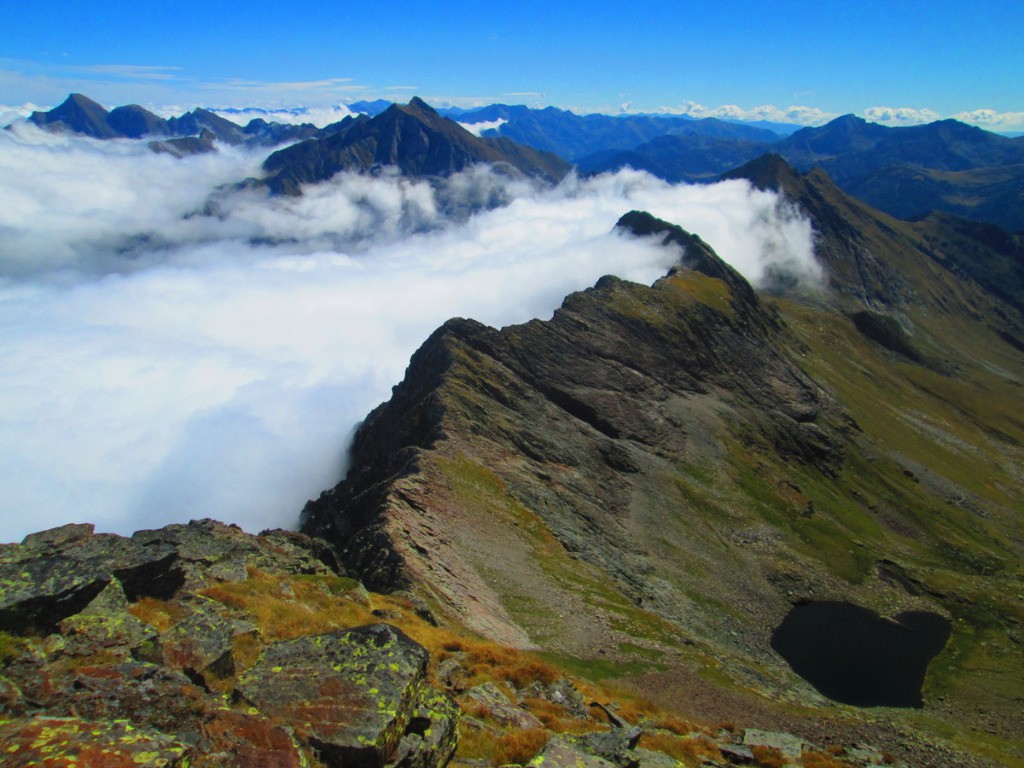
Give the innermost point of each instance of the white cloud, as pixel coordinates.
(991, 120)
(794, 114)
(478, 128)
(162, 363)
(8, 114)
(900, 116)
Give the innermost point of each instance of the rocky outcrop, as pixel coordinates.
(361, 697)
(67, 741)
(122, 651)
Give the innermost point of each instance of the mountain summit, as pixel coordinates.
(413, 138)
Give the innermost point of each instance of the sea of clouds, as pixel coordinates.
(177, 346)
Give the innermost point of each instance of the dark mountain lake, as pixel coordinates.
(852, 655)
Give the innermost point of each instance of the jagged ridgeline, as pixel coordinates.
(647, 484)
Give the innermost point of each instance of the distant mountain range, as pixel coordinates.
(907, 172)
(80, 114)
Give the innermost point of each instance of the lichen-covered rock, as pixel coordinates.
(648, 758)
(432, 733)
(237, 740)
(561, 692)
(500, 708)
(10, 696)
(558, 753)
(82, 646)
(789, 745)
(211, 551)
(53, 742)
(105, 624)
(352, 695)
(616, 745)
(199, 644)
(55, 574)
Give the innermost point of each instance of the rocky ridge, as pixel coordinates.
(675, 466)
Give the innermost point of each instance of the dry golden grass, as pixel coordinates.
(159, 614)
(820, 760)
(768, 757)
(245, 649)
(629, 708)
(688, 751)
(674, 724)
(286, 607)
(556, 718)
(511, 748)
(483, 660)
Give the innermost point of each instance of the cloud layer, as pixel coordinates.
(797, 115)
(176, 349)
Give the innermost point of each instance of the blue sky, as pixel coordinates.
(932, 60)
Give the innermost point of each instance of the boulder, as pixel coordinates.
(105, 625)
(237, 740)
(57, 573)
(54, 742)
(360, 698)
(790, 746)
(500, 708)
(616, 745)
(558, 753)
(199, 645)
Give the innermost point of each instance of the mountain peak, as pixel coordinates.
(80, 100)
(420, 105)
(697, 256)
(848, 120)
(770, 171)
(78, 114)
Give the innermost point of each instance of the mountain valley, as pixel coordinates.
(581, 538)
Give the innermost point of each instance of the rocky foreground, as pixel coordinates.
(201, 645)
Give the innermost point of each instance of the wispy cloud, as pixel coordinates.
(328, 84)
(318, 116)
(131, 72)
(478, 128)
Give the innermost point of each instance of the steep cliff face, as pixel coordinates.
(657, 474)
